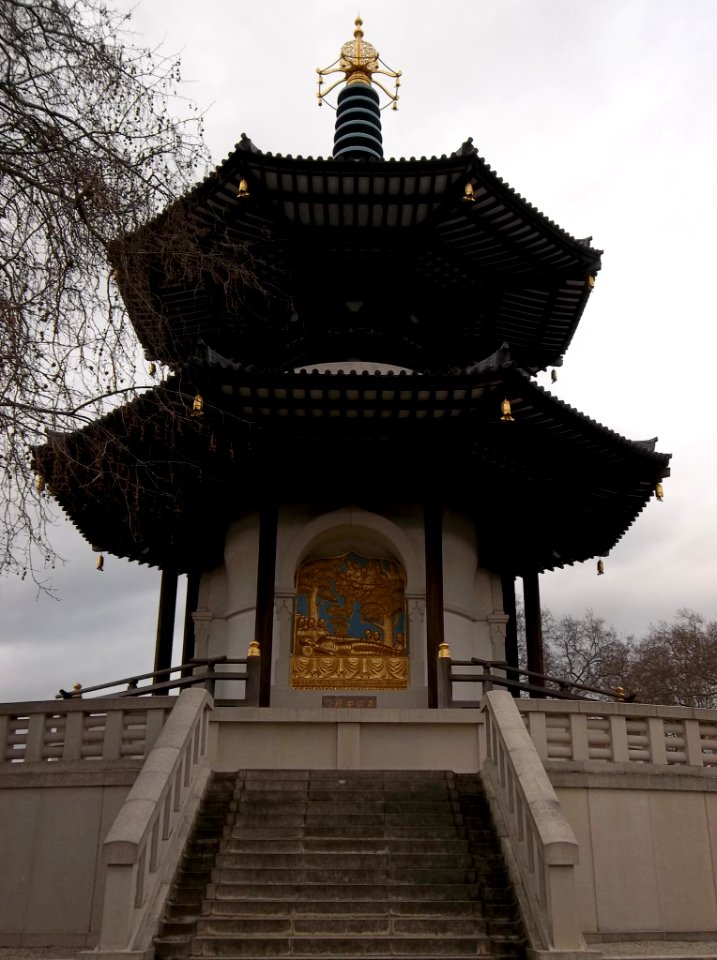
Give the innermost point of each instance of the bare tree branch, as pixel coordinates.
(89, 151)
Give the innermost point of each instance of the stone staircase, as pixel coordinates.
(343, 865)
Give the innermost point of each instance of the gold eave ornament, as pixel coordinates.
(243, 190)
(659, 491)
(100, 565)
(198, 406)
(600, 568)
(506, 412)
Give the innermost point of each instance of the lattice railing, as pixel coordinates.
(57, 731)
(622, 733)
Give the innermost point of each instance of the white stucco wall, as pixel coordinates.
(472, 600)
(474, 621)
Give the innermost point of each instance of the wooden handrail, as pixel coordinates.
(133, 681)
(207, 677)
(488, 678)
(560, 681)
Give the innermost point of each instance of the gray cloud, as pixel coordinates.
(603, 117)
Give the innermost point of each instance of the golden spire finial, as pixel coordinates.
(359, 62)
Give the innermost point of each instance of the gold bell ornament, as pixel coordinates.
(507, 413)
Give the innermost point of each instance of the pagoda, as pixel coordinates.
(349, 455)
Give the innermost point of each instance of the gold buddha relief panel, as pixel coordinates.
(350, 625)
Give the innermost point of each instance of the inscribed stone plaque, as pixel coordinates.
(350, 703)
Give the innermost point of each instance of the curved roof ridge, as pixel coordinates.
(498, 360)
(468, 149)
(466, 152)
(642, 444)
(486, 168)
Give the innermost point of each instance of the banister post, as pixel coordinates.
(252, 691)
(118, 906)
(211, 682)
(444, 682)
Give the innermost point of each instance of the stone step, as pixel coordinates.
(420, 949)
(342, 846)
(386, 892)
(342, 865)
(178, 929)
(377, 860)
(354, 790)
(324, 908)
(385, 776)
(342, 875)
(365, 925)
(334, 947)
(345, 819)
(349, 805)
(176, 951)
(180, 952)
(395, 830)
(185, 896)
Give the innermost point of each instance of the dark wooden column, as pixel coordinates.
(165, 619)
(511, 627)
(533, 624)
(189, 608)
(433, 533)
(266, 575)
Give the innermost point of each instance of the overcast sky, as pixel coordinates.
(603, 116)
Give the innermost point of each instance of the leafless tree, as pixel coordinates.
(586, 650)
(673, 663)
(676, 663)
(89, 151)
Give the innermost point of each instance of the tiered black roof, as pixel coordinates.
(550, 488)
(385, 261)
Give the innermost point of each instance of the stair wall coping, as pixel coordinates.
(144, 845)
(542, 842)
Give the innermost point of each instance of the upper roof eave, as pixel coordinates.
(464, 162)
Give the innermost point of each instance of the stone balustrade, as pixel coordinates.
(53, 732)
(621, 732)
(542, 846)
(145, 843)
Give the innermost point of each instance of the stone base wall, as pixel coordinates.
(347, 739)
(52, 825)
(648, 848)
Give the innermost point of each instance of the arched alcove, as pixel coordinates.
(351, 528)
(357, 649)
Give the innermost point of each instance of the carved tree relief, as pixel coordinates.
(350, 624)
